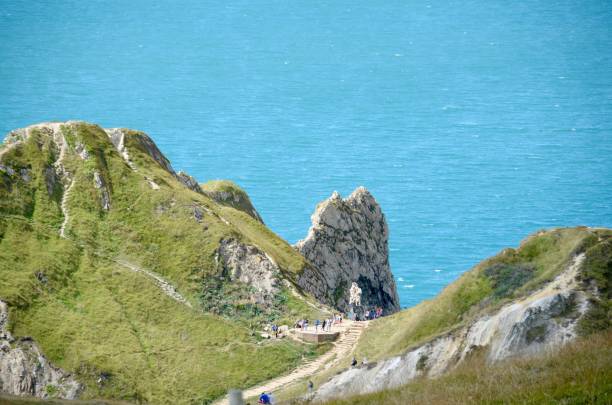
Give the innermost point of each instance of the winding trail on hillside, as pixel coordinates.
(64, 207)
(164, 285)
(350, 332)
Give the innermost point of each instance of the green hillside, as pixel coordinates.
(579, 373)
(511, 274)
(91, 313)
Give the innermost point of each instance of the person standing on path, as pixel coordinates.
(310, 386)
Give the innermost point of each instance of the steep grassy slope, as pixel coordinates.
(228, 193)
(579, 373)
(113, 327)
(510, 274)
(497, 282)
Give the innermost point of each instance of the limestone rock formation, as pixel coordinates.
(24, 370)
(544, 319)
(117, 137)
(348, 243)
(188, 181)
(252, 267)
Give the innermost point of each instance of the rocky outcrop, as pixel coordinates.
(117, 138)
(146, 145)
(100, 184)
(252, 267)
(542, 320)
(24, 370)
(227, 193)
(188, 181)
(348, 243)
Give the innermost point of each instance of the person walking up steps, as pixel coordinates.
(264, 398)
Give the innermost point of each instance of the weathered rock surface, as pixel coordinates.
(227, 193)
(100, 184)
(146, 145)
(24, 370)
(117, 137)
(348, 242)
(249, 265)
(542, 320)
(188, 181)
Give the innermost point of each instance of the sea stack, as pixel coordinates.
(348, 243)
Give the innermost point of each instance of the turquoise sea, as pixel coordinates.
(474, 123)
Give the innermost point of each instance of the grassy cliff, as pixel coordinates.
(114, 327)
(511, 274)
(578, 373)
(228, 193)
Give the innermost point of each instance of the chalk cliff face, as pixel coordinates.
(24, 370)
(348, 243)
(544, 319)
(250, 266)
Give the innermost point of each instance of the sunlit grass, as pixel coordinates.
(547, 253)
(92, 316)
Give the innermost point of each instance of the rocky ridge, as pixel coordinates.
(348, 243)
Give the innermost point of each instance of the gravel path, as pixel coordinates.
(349, 335)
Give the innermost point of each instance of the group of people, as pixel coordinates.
(374, 313)
(325, 326)
(354, 362)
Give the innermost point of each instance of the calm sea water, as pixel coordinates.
(474, 123)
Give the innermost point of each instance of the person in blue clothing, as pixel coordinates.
(264, 398)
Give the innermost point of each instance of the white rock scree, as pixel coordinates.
(527, 326)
